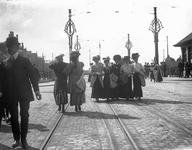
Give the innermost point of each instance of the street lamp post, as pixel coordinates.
(70, 30)
(155, 27)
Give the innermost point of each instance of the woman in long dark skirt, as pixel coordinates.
(96, 80)
(115, 69)
(106, 80)
(126, 79)
(60, 82)
(138, 69)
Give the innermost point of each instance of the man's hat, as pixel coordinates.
(60, 56)
(74, 54)
(135, 55)
(10, 41)
(126, 58)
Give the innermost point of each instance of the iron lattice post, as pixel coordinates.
(155, 27)
(70, 30)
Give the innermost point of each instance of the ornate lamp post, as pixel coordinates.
(77, 45)
(155, 27)
(129, 45)
(70, 30)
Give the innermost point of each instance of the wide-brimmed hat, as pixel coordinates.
(60, 56)
(106, 58)
(96, 58)
(74, 54)
(135, 55)
(126, 58)
(116, 57)
(10, 41)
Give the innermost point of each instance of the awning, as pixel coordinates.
(185, 41)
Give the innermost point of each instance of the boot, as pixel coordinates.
(76, 108)
(79, 107)
(63, 108)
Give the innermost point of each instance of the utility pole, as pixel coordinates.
(89, 56)
(167, 47)
(155, 27)
(99, 49)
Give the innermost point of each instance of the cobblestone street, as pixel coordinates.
(162, 120)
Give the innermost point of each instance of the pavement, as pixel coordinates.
(96, 126)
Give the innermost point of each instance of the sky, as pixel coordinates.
(40, 26)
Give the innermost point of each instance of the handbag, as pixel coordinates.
(142, 79)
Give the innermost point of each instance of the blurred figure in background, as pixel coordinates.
(60, 87)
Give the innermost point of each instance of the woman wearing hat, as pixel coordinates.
(60, 87)
(76, 84)
(97, 71)
(126, 79)
(115, 69)
(138, 70)
(106, 80)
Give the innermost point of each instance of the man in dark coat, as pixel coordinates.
(60, 86)
(18, 77)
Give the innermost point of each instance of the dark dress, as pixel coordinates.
(106, 82)
(115, 68)
(60, 81)
(97, 82)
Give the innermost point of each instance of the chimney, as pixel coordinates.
(11, 34)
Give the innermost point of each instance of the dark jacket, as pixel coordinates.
(19, 78)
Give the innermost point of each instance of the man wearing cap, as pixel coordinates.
(60, 86)
(19, 75)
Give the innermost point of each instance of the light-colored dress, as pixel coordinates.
(77, 93)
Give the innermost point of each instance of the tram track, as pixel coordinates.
(129, 136)
(166, 117)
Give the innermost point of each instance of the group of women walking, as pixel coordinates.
(122, 79)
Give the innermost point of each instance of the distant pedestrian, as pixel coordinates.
(89, 77)
(19, 75)
(97, 72)
(115, 69)
(106, 79)
(76, 84)
(126, 79)
(180, 69)
(60, 87)
(139, 72)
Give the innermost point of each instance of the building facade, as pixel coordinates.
(186, 48)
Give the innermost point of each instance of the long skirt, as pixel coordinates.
(97, 90)
(126, 89)
(63, 89)
(137, 90)
(77, 98)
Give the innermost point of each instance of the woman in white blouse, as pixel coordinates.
(138, 70)
(126, 79)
